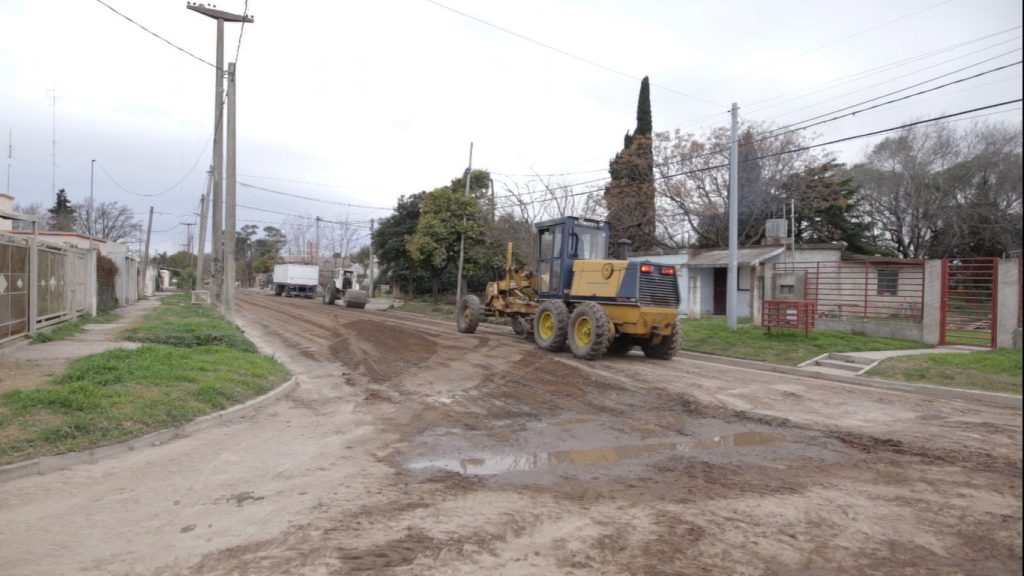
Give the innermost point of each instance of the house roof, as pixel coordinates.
(750, 256)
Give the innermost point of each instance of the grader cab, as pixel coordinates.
(578, 297)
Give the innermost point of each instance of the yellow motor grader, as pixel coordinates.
(577, 296)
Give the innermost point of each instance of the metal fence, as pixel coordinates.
(13, 287)
(42, 284)
(875, 289)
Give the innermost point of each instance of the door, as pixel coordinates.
(721, 280)
(969, 301)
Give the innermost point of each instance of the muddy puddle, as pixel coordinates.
(491, 464)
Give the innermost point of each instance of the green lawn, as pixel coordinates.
(200, 365)
(994, 371)
(782, 346)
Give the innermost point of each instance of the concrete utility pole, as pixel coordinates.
(734, 163)
(462, 236)
(92, 204)
(371, 258)
(217, 272)
(229, 220)
(204, 217)
(145, 256)
(316, 249)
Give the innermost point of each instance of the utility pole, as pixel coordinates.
(145, 256)
(188, 239)
(372, 258)
(10, 154)
(316, 249)
(462, 236)
(204, 216)
(229, 220)
(217, 271)
(53, 143)
(92, 203)
(731, 277)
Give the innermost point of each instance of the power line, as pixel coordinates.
(822, 46)
(790, 151)
(870, 72)
(781, 131)
(241, 30)
(969, 66)
(893, 65)
(168, 42)
(569, 54)
(310, 198)
(172, 187)
(901, 98)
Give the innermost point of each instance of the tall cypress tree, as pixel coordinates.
(644, 124)
(62, 215)
(629, 197)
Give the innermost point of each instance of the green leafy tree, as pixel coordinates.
(828, 208)
(63, 214)
(390, 241)
(446, 215)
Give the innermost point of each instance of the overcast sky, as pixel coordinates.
(361, 102)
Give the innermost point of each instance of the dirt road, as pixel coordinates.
(408, 448)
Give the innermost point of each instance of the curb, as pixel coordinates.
(47, 464)
(991, 398)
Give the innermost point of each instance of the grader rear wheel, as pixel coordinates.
(468, 313)
(551, 325)
(588, 331)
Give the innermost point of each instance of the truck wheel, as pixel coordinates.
(588, 331)
(551, 325)
(278, 290)
(330, 294)
(467, 315)
(666, 347)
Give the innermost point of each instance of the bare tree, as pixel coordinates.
(692, 174)
(108, 220)
(340, 237)
(934, 190)
(536, 200)
(299, 231)
(34, 209)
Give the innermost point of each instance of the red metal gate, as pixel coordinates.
(969, 301)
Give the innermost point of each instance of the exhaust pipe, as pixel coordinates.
(622, 249)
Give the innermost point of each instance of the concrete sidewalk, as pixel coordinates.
(857, 363)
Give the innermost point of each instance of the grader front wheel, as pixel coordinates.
(468, 313)
(588, 331)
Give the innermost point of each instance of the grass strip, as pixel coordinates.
(993, 371)
(121, 394)
(68, 329)
(786, 347)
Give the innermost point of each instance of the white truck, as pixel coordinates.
(293, 280)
